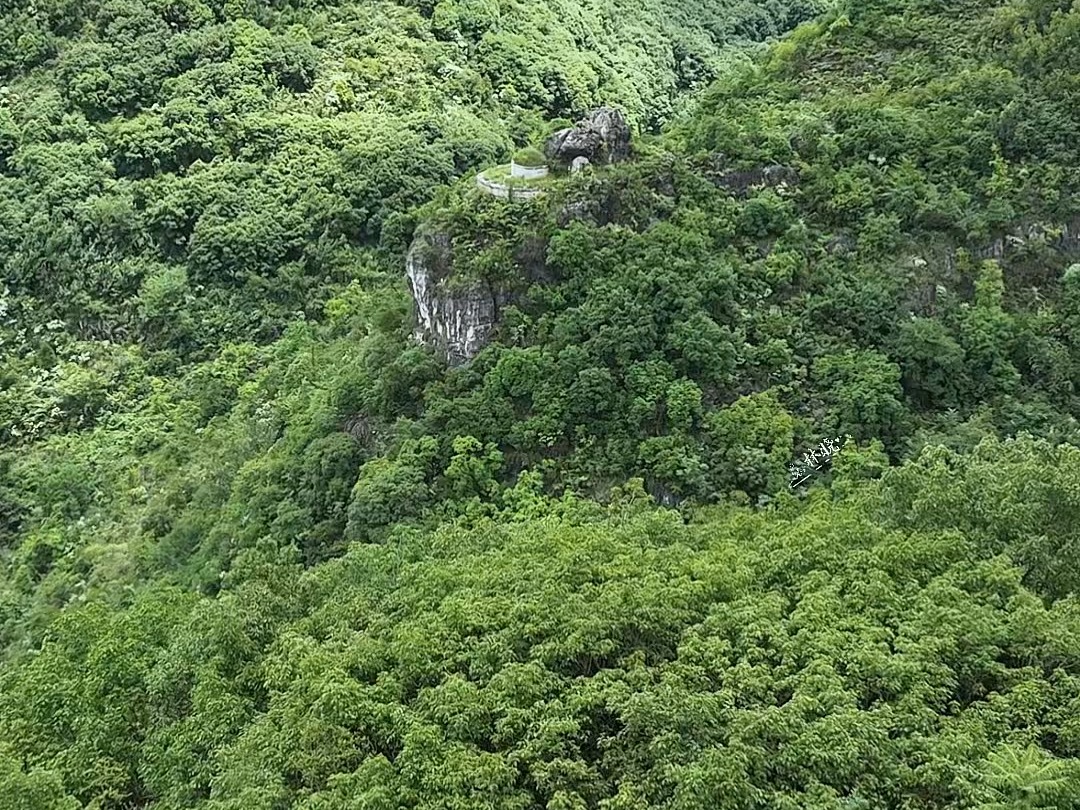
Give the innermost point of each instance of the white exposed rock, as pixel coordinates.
(579, 164)
(456, 322)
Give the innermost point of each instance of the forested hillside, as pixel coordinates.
(264, 549)
(188, 174)
(877, 650)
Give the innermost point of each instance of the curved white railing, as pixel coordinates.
(527, 172)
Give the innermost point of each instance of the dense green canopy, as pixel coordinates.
(261, 549)
(875, 649)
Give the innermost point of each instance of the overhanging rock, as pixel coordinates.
(603, 137)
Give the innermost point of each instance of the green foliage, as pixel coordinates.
(262, 548)
(36, 790)
(529, 156)
(586, 656)
(389, 491)
(754, 439)
(228, 165)
(862, 390)
(1028, 778)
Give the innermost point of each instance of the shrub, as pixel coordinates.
(529, 156)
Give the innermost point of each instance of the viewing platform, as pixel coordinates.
(523, 178)
(514, 182)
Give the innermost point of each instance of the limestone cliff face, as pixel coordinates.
(457, 321)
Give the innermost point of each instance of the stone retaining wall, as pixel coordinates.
(504, 192)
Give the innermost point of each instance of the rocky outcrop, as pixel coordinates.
(602, 138)
(587, 211)
(743, 182)
(457, 321)
(1064, 237)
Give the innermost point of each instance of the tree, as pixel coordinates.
(1018, 778)
(862, 392)
(36, 790)
(474, 469)
(752, 442)
(932, 363)
(391, 490)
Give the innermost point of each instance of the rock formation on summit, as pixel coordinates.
(602, 138)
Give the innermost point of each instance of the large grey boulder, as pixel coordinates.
(603, 137)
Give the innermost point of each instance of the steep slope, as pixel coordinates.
(803, 260)
(182, 183)
(862, 235)
(187, 174)
(209, 389)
